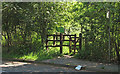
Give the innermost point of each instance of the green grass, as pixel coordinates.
(40, 55)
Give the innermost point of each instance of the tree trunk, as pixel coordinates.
(8, 42)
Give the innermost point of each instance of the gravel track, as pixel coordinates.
(28, 67)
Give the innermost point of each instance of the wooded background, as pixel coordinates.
(25, 26)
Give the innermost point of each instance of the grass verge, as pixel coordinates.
(39, 55)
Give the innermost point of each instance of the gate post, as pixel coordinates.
(80, 41)
(70, 44)
(54, 40)
(46, 42)
(61, 43)
(74, 43)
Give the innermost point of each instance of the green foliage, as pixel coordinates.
(95, 29)
(25, 26)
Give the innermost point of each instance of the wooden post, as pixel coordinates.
(54, 40)
(46, 42)
(80, 41)
(70, 44)
(60, 43)
(74, 43)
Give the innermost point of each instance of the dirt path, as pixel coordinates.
(59, 64)
(90, 66)
(9, 66)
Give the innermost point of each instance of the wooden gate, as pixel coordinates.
(73, 39)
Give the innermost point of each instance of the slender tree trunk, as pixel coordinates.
(8, 42)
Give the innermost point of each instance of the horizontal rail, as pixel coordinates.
(68, 35)
(53, 35)
(53, 46)
(52, 40)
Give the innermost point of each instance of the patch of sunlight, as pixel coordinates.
(65, 50)
(30, 56)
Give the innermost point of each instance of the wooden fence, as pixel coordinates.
(73, 39)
